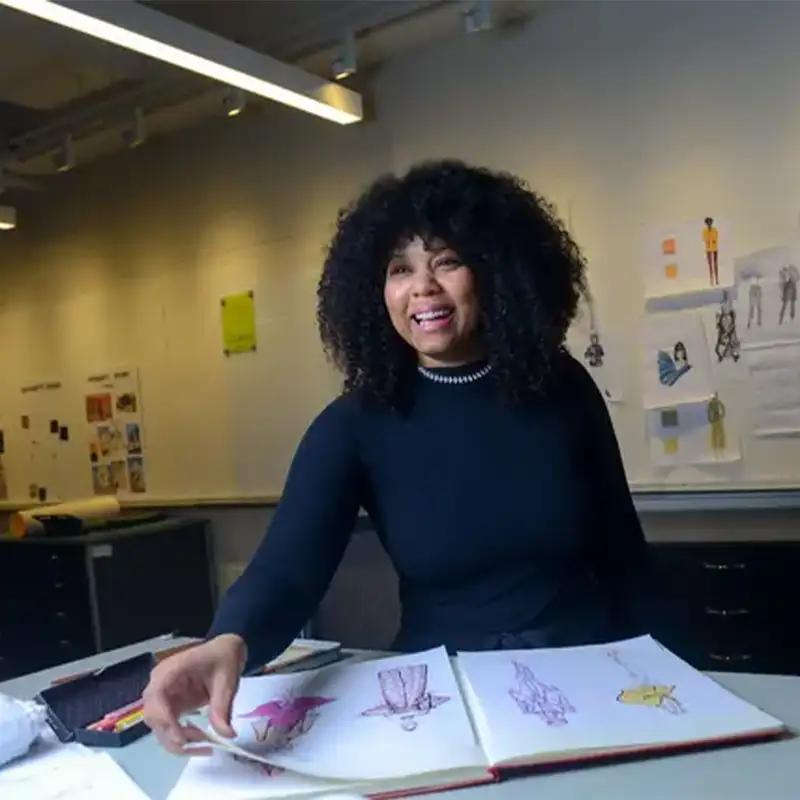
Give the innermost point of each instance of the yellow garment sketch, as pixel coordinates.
(716, 417)
(644, 692)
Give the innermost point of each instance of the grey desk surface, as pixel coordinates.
(768, 771)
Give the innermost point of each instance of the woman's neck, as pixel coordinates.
(467, 356)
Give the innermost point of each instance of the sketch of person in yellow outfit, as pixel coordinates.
(716, 417)
(644, 692)
(711, 244)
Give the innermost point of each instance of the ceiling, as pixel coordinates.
(56, 83)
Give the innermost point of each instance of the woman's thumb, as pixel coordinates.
(223, 688)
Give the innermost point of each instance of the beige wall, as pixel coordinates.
(620, 112)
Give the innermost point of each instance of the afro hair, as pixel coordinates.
(529, 274)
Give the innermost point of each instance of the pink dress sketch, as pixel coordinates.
(405, 694)
(278, 723)
(532, 696)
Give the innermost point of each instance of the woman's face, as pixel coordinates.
(431, 299)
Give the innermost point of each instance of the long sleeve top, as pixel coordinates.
(508, 526)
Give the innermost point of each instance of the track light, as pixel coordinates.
(345, 64)
(479, 17)
(233, 101)
(136, 134)
(64, 159)
(8, 218)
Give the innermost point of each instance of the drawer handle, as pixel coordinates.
(65, 643)
(710, 565)
(740, 657)
(61, 614)
(727, 612)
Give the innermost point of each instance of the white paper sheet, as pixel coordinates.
(622, 694)
(692, 433)
(405, 712)
(687, 257)
(774, 380)
(722, 323)
(67, 772)
(675, 359)
(767, 304)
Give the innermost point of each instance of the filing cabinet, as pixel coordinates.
(66, 598)
(739, 601)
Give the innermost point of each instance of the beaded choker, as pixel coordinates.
(471, 377)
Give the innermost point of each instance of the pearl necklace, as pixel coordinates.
(469, 378)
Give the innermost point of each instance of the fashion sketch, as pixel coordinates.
(278, 723)
(711, 245)
(716, 420)
(727, 344)
(671, 368)
(642, 691)
(754, 296)
(544, 700)
(788, 276)
(405, 694)
(267, 770)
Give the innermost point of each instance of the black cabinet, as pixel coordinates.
(67, 598)
(739, 601)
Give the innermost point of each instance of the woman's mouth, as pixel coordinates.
(433, 319)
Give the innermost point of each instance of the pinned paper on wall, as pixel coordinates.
(598, 352)
(692, 433)
(688, 257)
(238, 318)
(43, 404)
(115, 432)
(675, 362)
(775, 388)
(767, 297)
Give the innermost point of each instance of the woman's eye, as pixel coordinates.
(449, 263)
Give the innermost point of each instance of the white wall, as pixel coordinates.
(627, 113)
(124, 263)
(624, 115)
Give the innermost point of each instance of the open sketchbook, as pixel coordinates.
(423, 722)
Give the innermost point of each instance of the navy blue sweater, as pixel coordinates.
(508, 527)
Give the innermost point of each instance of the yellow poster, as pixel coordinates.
(238, 313)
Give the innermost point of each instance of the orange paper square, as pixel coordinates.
(670, 446)
(668, 247)
(671, 271)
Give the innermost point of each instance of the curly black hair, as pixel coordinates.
(529, 274)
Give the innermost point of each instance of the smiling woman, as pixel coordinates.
(431, 300)
(480, 448)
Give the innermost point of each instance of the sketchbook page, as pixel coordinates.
(371, 720)
(538, 705)
(225, 776)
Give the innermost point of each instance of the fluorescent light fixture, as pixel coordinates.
(8, 218)
(136, 27)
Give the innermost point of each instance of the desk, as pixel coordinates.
(760, 772)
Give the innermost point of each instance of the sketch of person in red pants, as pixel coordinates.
(405, 694)
(532, 696)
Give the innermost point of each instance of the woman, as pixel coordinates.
(481, 450)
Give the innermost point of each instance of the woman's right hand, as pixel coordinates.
(207, 674)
